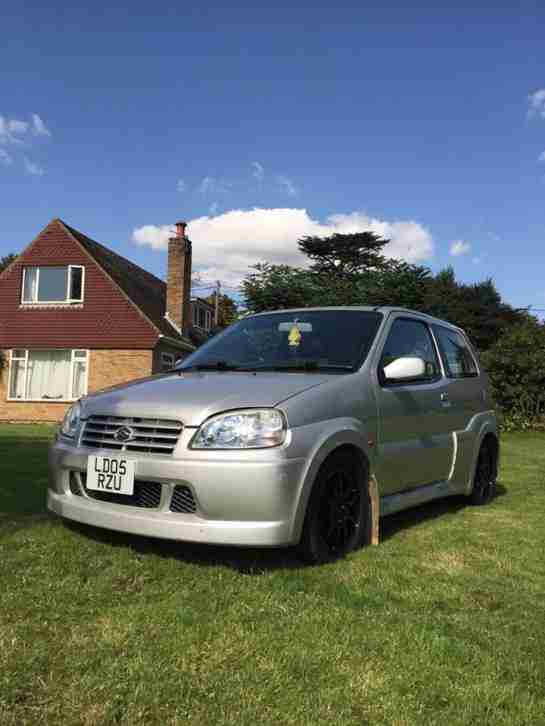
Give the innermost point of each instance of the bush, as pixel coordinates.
(516, 367)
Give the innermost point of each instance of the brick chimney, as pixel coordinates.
(179, 279)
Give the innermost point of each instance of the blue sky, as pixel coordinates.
(259, 124)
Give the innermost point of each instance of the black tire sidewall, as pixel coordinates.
(312, 547)
(477, 496)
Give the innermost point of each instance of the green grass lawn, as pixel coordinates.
(443, 623)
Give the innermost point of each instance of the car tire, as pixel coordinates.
(484, 481)
(337, 512)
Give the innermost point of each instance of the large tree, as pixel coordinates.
(350, 270)
(228, 310)
(477, 307)
(344, 255)
(343, 270)
(5, 261)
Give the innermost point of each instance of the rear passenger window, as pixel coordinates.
(457, 357)
(407, 339)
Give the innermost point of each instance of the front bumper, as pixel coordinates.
(242, 498)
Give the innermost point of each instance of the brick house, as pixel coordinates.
(76, 317)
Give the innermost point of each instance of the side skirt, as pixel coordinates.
(414, 497)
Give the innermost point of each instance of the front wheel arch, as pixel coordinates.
(369, 532)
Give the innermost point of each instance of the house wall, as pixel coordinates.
(111, 367)
(106, 368)
(166, 348)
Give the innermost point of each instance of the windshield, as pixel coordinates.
(334, 340)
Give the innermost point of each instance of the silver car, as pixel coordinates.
(292, 427)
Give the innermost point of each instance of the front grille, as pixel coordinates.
(150, 435)
(182, 500)
(146, 494)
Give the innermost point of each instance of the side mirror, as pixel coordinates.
(404, 369)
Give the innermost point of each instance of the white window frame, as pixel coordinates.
(208, 319)
(68, 300)
(73, 358)
(168, 359)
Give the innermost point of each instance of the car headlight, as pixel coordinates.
(251, 429)
(71, 422)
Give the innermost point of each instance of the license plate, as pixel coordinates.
(110, 474)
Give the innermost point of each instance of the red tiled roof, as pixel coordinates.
(124, 304)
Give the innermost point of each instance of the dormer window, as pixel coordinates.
(43, 285)
(202, 317)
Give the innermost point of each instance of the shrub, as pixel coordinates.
(516, 367)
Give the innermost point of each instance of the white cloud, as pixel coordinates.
(211, 185)
(32, 168)
(227, 245)
(288, 186)
(17, 127)
(180, 185)
(459, 247)
(258, 171)
(17, 134)
(38, 126)
(541, 157)
(11, 130)
(536, 101)
(5, 158)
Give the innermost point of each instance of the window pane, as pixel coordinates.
(53, 281)
(49, 374)
(17, 387)
(459, 362)
(19, 354)
(76, 283)
(407, 339)
(167, 361)
(31, 278)
(78, 386)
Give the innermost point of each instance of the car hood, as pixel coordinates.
(194, 396)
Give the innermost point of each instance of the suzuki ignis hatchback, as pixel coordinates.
(292, 427)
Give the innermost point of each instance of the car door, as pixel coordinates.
(415, 443)
(464, 388)
(465, 395)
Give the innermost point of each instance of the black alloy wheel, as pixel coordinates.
(484, 483)
(336, 518)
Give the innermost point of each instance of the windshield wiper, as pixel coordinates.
(304, 367)
(308, 366)
(218, 365)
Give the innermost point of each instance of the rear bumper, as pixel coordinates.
(239, 502)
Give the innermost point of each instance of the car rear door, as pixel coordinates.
(415, 444)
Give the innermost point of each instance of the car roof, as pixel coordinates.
(384, 309)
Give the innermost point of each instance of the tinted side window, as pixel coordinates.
(407, 339)
(457, 358)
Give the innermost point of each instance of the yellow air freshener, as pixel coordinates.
(294, 338)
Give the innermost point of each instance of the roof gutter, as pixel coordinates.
(178, 343)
